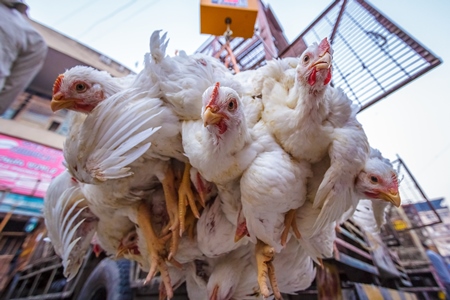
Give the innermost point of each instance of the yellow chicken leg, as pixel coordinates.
(168, 184)
(191, 223)
(264, 257)
(289, 221)
(185, 197)
(156, 247)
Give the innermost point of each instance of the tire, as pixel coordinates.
(110, 280)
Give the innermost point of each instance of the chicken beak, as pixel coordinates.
(59, 102)
(211, 117)
(392, 196)
(324, 62)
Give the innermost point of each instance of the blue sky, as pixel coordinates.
(414, 122)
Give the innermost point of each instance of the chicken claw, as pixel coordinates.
(156, 247)
(185, 197)
(168, 184)
(289, 221)
(191, 223)
(264, 257)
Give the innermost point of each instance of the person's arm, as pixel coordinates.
(21, 6)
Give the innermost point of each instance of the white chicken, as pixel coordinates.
(112, 150)
(271, 184)
(294, 268)
(215, 232)
(81, 88)
(68, 218)
(303, 120)
(273, 151)
(378, 187)
(377, 182)
(137, 248)
(233, 276)
(226, 139)
(182, 80)
(72, 221)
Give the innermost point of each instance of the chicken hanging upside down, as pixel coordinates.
(82, 88)
(125, 147)
(269, 181)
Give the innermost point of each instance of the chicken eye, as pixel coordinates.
(80, 87)
(374, 179)
(232, 105)
(306, 58)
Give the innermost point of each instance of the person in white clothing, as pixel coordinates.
(22, 51)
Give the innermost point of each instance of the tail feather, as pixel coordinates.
(158, 46)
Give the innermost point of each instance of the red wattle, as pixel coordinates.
(242, 230)
(200, 185)
(312, 77)
(222, 127)
(97, 250)
(328, 79)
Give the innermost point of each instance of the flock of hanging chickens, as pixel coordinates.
(233, 184)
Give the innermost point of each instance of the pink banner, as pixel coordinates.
(27, 168)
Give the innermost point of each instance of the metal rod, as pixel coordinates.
(420, 189)
(31, 274)
(397, 86)
(338, 21)
(389, 25)
(353, 248)
(6, 218)
(33, 286)
(233, 58)
(336, 2)
(50, 280)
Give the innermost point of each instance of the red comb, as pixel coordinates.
(395, 181)
(57, 84)
(324, 46)
(214, 94)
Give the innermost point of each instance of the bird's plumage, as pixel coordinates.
(377, 188)
(312, 121)
(69, 221)
(271, 186)
(183, 78)
(275, 155)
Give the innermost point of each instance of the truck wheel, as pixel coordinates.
(110, 280)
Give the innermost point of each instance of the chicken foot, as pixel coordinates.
(157, 249)
(264, 257)
(290, 222)
(186, 197)
(168, 184)
(191, 223)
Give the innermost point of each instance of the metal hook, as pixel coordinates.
(228, 33)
